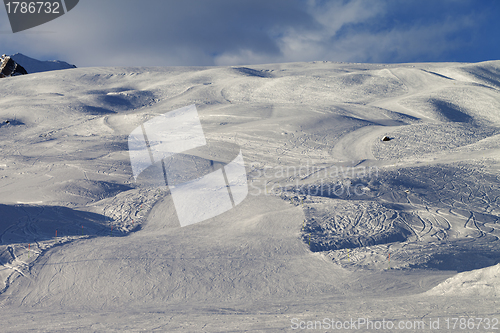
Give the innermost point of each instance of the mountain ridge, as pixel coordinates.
(37, 66)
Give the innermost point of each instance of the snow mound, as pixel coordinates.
(479, 282)
(36, 66)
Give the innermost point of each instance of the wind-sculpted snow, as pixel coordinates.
(487, 73)
(337, 222)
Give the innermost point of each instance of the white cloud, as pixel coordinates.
(335, 15)
(337, 37)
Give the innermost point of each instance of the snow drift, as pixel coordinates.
(483, 282)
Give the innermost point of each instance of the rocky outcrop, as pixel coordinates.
(7, 67)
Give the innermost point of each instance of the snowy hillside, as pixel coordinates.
(36, 66)
(483, 282)
(337, 223)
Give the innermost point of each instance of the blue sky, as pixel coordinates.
(237, 32)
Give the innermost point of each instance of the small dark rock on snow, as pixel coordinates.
(386, 138)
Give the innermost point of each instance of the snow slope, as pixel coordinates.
(477, 283)
(36, 66)
(337, 223)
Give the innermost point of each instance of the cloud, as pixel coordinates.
(228, 32)
(352, 32)
(308, 42)
(125, 32)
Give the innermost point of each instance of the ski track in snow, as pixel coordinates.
(292, 249)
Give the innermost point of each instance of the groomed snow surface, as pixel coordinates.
(338, 224)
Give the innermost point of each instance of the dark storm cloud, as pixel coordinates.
(180, 31)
